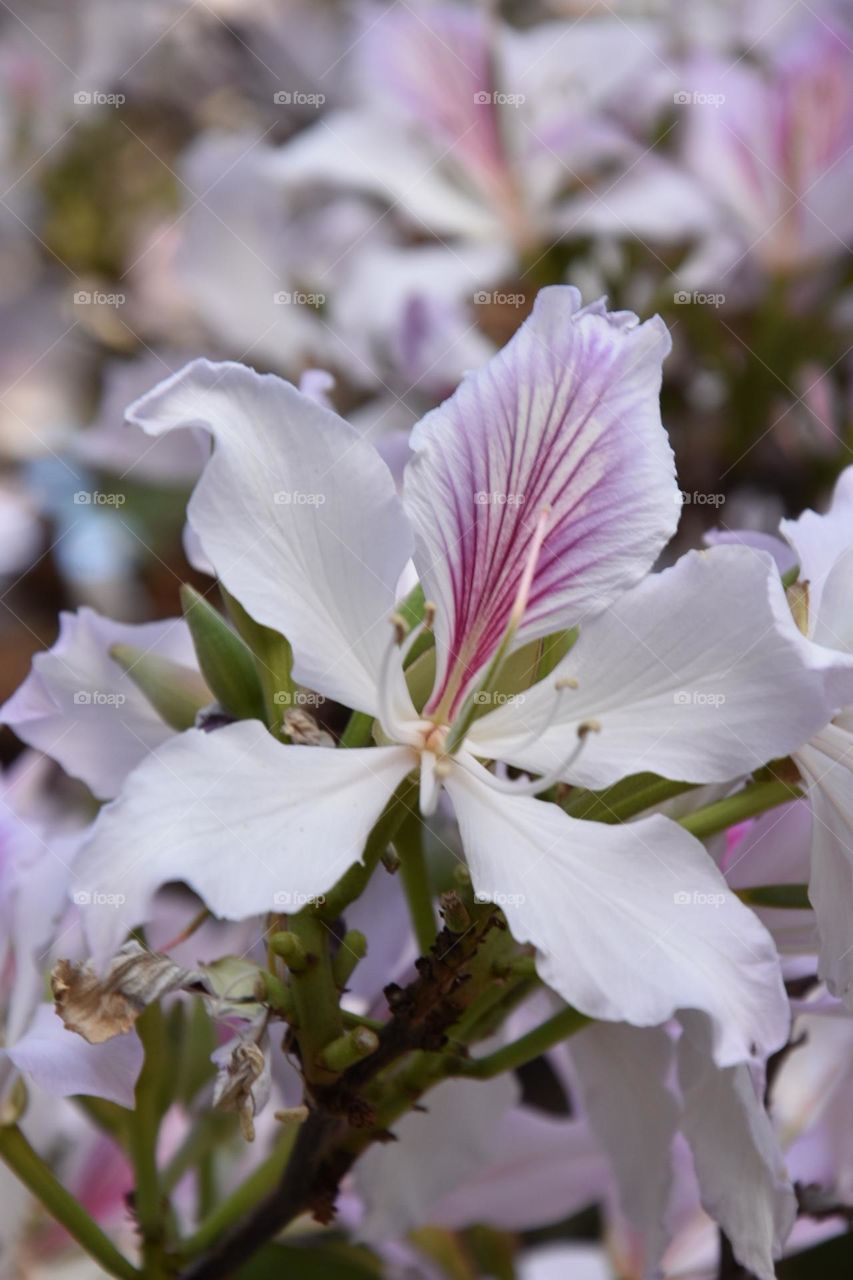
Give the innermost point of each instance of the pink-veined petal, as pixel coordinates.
(298, 516)
(631, 923)
(250, 824)
(566, 418)
(699, 674)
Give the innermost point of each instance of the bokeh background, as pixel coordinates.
(377, 191)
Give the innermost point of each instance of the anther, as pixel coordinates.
(398, 622)
(565, 682)
(587, 727)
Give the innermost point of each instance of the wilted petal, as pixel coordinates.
(100, 1008)
(564, 418)
(632, 923)
(63, 1064)
(740, 1168)
(298, 516)
(248, 823)
(78, 706)
(617, 1066)
(729, 687)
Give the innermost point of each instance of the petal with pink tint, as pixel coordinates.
(64, 1064)
(78, 706)
(565, 419)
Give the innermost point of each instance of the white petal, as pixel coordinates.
(80, 708)
(698, 674)
(739, 1165)
(370, 152)
(775, 849)
(827, 765)
(632, 923)
(250, 824)
(298, 516)
(819, 540)
(622, 1073)
(63, 1063)
(436, 1151)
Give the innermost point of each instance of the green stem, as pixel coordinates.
(315, 995)
(263, 1180)
(144, 1126)
(353, 882)
(358, 731)
(31, 1170)
(620, 802)
(526, 1048)
(790, 897)
(754, 799)
(413, 870)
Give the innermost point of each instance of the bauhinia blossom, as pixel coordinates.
(539, 496)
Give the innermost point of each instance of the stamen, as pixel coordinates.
(535, 785)
(387, 673)
(526, 583)
(398, 622)
(562, 686)
(466, 716)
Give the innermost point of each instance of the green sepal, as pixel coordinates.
(176, 693)
(225, 661)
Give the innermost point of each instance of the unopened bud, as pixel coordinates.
(291, 949)
(349, 1049)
